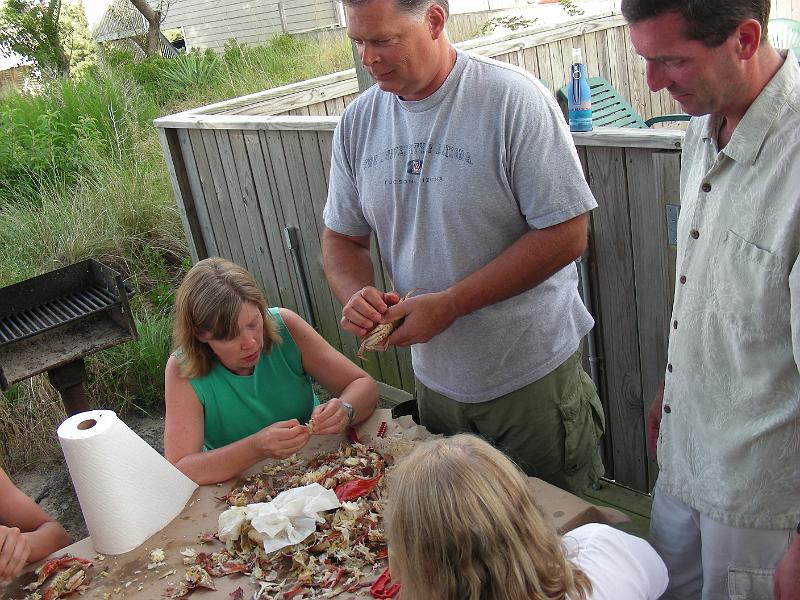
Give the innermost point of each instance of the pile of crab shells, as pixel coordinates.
(344, 554)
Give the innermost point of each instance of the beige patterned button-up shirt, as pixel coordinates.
(730, 431)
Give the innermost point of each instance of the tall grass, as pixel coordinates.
(249, 69)
(117, 210)
(30, 412)
(82, 175)
(54, 136)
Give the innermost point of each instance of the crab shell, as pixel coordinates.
(376, 337)
(54, 565)
(66, 582)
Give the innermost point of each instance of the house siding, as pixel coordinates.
(210, 24)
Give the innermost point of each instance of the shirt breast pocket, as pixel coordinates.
(750, 285)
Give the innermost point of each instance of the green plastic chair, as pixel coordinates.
(609, 109)
(784, 33)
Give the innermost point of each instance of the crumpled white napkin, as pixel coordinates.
(286, 520)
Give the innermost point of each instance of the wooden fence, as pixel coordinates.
(252, 189)
(544, 51)
(787, 9)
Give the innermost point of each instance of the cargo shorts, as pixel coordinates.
(551, 428)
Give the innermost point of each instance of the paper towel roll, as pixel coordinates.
(127, 490)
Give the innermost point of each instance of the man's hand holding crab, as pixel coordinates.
(365, 309)
(383, 319)
(423, 317)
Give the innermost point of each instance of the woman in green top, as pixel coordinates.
(238, 386)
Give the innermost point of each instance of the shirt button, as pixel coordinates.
(694, 233)
(667, 408)
(675, 324)
(682, 279)
(669, 367)
(706, 187)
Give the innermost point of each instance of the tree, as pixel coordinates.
(76, 39)
(154, 18)
(33, 29)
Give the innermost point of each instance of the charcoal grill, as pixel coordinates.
(51, 322)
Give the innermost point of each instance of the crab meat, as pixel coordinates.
(194, 577)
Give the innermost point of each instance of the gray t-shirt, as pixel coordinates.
(448, 183)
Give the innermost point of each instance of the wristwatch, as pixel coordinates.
(351, 413)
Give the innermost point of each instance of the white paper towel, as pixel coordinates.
(127, 490)
(287, 519)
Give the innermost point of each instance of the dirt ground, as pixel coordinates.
(51, 485)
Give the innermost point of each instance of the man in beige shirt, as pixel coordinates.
(728, 492)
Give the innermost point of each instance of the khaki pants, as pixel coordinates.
(709, 560)
(551, 428)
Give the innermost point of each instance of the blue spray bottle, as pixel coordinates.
(579, 98)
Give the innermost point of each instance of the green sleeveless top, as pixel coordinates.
(236, 406)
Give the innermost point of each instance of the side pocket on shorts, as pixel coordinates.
(583, 421)
(750, 584)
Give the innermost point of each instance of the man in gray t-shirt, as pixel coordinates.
(465, 170)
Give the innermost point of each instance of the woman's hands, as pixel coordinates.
(331, 417)
(14, 552)
(282, 439)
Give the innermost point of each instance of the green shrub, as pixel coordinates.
(53, 136)
(188, 72)
(148, 73)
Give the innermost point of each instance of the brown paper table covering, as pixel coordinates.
(129, 576)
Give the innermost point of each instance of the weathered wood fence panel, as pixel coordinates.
(241, 181)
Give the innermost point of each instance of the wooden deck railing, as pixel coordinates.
(544, 51)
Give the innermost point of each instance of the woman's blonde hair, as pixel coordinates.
(462, 525)
(208, 301)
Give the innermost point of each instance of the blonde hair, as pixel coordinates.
(462, 524)
(208, 301)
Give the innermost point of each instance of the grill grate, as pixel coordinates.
(34, 320)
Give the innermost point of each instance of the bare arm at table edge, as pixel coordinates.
(27, 533)
(336, 373)
(184, 434)
(532, 258)
(348, 268)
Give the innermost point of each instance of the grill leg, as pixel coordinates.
(68, 380)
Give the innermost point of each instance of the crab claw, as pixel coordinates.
(51, 566)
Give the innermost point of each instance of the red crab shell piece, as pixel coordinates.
(56, 564)
(355, 488)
